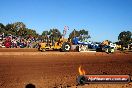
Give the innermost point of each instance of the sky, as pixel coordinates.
(103, 19)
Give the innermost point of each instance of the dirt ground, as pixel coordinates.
(19, 67)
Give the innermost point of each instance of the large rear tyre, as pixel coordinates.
(66, 47)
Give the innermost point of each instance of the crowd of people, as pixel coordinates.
(12, 41)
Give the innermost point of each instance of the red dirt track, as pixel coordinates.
(19, 67)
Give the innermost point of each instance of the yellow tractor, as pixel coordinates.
(62, 44)
(106, 47)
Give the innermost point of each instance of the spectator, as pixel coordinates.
(12, 41)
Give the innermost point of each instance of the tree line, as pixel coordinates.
(125, 38)
(20, 29)
(17, 29)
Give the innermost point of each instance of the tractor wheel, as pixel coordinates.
(66, 47)
(43, 50)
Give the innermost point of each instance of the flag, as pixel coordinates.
(65, 29)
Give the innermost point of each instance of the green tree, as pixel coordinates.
(73, 34)
(31, 32)
(9, 29)
(82, 34)
(20, 28)
(54, 33)
(17, 28)
(45, 33)
(2, 28)
(19, 25)
(125, 38)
